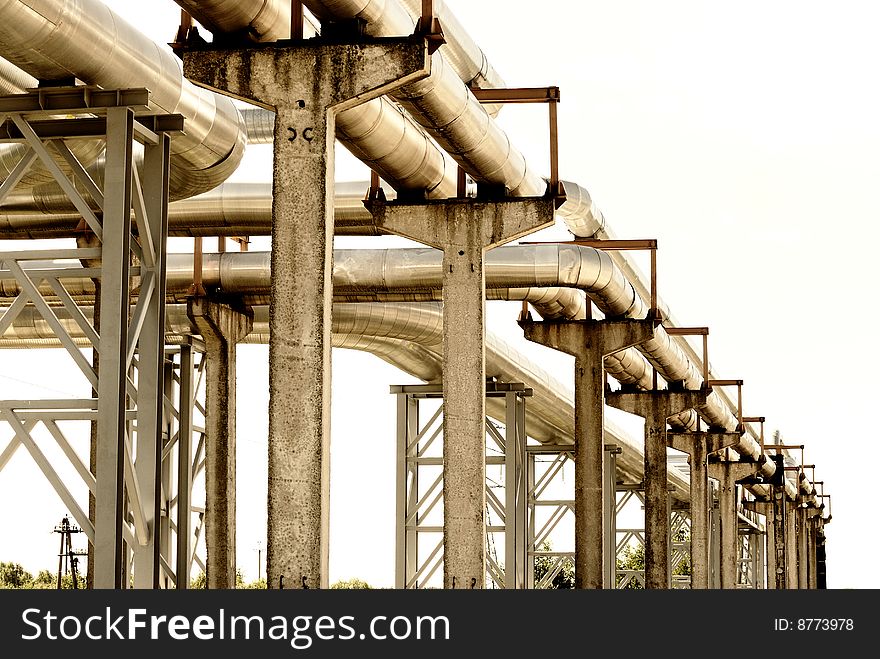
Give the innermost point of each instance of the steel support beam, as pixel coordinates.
(728, 474)
(186, 396)
(464, 229)
(222, 326)
(418, 449)
(152, 215)
(589, 341)
(698, 446)
(609, 490)
(656, 407)
(110, 562)
(303, 85)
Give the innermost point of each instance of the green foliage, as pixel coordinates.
(544, 564)
(634, 559)
(13, 575)
(200, 582)
(45, 579)
(351, 584)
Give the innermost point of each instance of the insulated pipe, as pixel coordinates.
(13, 80)
(440, 95)
(408, 336)
(230, 209)
(437, 102)
(377, 132)
(86, 40)
(460, 50)
(442, 104)
(454, 118)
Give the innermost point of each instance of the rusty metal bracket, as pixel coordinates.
(297, 19)
(741, 428)
(429, 27)
(549, 95)
(197, 288)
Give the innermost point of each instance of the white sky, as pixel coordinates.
(741, 135)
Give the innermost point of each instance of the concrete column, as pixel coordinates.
(812, 549)
(803, 548)
(590, 341)
(698, 446)
(222, 327)
(464, 229)
(656, 407)
(791, 552)
(728, 474)
(821, 568)
(303, 84)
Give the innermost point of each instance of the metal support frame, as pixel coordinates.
(419, 554)
(129, 342)
(550, 509)
(631, 540)
(183, 463)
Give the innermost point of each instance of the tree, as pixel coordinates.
(634, 560)
(351, 584)
(543, 564)
(13, 575)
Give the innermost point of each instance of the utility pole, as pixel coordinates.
(67, 557)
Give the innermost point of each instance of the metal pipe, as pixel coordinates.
(442, 104)
(84, 39)
(408, 336)
(377, 132)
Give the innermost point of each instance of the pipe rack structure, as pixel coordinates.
(421, 138)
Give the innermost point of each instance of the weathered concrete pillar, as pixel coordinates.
(307, 84)
(802, 548)
(464, 229)
(698, 446)
(821, 568)
(812, 526)
(222, 326)
(770, 545)
(656, 407)
(589, 341)
(728, 474)
(791, 551)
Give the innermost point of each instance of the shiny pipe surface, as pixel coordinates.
(85, 39)
(408, 336)
(378, 132)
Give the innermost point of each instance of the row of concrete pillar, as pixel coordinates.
(303, 85)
